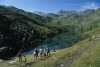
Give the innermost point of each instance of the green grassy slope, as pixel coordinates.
(30, 22)
(90, 58)
(19, 31)
(53, 60)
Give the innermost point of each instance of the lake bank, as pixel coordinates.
(57, 43)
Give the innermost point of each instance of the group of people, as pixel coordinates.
(43, 52)
(20, 56)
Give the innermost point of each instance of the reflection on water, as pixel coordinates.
(57, 42)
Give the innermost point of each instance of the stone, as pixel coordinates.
(62, 65)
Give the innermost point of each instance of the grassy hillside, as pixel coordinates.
(91, 57)
(63, 18)
(88, 58)
(38, 18)
(61, 21)
(19, 31)
(54, 60)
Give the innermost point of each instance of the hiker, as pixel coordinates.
(44, 52)
(20, 56)
(48, 51)
(36, 55)
(41, 52)
(25, 58)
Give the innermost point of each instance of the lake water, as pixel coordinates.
(56, 43)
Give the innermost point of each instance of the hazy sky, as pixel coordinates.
(49, 6)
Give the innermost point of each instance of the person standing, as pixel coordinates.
(36, 53)
(48, 51)
(19, 56)
(44, 52)
(25, 58)
(41, 52)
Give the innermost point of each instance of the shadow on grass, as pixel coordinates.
(29, 63)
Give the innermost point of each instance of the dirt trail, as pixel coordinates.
(70, 61)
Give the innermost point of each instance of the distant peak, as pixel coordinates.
(39, 13)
